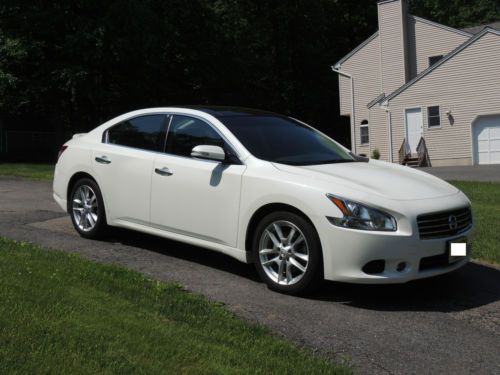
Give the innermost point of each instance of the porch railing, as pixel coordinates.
(423, 154)
(404, 152)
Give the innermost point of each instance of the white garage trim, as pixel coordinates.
(474, 141)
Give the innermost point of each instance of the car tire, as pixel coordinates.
(88, 217)
(290, 263)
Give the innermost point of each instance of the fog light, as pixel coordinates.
(374, 267)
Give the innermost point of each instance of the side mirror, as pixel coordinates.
(208, 152)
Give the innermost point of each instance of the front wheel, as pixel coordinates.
(287, 253)
(86, 208)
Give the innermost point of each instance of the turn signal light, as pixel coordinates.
(340, 204)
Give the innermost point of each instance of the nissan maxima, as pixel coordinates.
(265, 189)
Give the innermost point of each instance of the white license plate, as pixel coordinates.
(457, 249)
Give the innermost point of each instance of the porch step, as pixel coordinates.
(411, 162)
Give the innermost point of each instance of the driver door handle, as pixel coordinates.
(102, 159)
(164, 171)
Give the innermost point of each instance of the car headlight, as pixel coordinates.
(359, 216)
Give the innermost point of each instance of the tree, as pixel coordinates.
(458, 13)
(75, 64)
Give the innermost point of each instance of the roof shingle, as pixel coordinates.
(479, 28)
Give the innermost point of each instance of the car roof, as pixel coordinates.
(228, 111)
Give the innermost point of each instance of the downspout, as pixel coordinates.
(353, 137)
(387, 110)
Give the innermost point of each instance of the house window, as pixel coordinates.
(434, 117)
(434, 59)
(364, 133)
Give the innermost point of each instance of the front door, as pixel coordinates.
(193, 197)
(414, 128)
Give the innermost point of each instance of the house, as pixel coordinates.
(424, 93)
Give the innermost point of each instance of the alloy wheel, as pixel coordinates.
(283, 252)
(85, 208)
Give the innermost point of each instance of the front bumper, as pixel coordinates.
(347, 251)
(354, 249)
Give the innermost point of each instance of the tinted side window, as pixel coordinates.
(145, 132)
(187, 132)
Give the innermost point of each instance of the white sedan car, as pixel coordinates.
(267, 189)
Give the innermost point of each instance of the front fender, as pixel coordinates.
(311, 201)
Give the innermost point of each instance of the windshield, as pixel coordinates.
(283, 140)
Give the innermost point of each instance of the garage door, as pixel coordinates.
(487, 140)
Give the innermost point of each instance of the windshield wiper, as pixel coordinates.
(316, 162)
(362, 159)
(337, 161)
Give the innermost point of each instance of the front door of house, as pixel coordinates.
(414, 128)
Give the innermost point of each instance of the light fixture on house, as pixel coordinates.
(450, 117)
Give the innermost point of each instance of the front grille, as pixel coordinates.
(437, 225)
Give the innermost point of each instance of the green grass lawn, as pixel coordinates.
(33, 171)
(62, 314)
(485, 198)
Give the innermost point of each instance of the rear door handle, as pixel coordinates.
(102, 159)
(164, 171)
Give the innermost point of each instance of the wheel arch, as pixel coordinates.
(266, 209)
(74, 179)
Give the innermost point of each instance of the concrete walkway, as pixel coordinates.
(466, 173)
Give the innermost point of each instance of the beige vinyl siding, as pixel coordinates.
(425, 40)
(392, 44)
(379, 136)
(345, 95)
(366, 76)
(468, 85)
(364, 66)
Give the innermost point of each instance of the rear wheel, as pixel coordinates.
(86, 208)
(287, 253)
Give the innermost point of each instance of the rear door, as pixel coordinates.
(123, 163)
(198, 198)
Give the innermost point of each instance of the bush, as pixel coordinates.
(376, 154)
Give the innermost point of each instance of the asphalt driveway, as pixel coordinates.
(466, 173)
(449, 324)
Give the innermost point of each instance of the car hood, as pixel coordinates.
(388, 180)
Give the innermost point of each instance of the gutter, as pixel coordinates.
(386, 108)
(337, 70)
